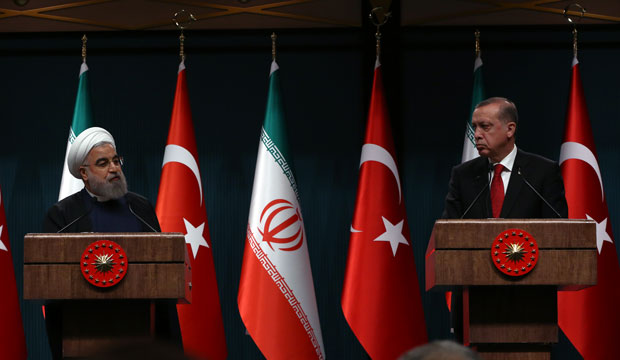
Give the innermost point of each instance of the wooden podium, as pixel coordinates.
(507, 317)
(91, 317)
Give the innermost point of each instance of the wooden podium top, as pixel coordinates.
(459, 253)
(157, 266)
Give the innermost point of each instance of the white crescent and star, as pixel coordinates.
(175, 153)
(2, 246)
(574, 150)
(393, 232)
(601, 233)
(194, 237)
(179, 154)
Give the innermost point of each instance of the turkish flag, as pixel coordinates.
(589, 317)
(12, 340)
(381, 297)
(181, 208)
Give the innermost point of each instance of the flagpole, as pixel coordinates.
(477, 49)
(182, 25)
(273, 46)
(379, 17)
(84, 39)
(573, 21)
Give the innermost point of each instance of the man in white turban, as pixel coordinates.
(104, 205)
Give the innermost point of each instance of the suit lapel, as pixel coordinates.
(514, 185)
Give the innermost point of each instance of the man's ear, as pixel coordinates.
(512, 129)
(84, 174)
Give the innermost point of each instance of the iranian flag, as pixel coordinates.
(589, 317)
(381, 296)
(82, 120)
(469, 145)
(276, 293)
(12, 340)
(181, 208)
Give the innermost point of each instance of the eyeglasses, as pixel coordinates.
(105, 163)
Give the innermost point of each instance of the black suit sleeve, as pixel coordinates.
(553, 191)
(453, 208)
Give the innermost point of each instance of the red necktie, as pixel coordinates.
(497, 190)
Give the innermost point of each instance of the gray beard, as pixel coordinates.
(108, 189)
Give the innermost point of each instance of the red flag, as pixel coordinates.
(590, 317)
(181, 208)
(381, 297)
(12, 340)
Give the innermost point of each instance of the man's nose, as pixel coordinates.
(113, 167)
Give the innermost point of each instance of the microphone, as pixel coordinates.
(537, 193)
(73, 222)
(489, 169)
(139, 218)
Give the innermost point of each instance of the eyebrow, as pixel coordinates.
(105, 158)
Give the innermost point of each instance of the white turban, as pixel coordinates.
(83, 144)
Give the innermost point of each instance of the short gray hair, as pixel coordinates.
(507, 110)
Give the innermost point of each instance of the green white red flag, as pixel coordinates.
(589, 317)
(381, 296)
(82, 120)
(12, 340)
(181, 208)
(276, 293)
(477, 95)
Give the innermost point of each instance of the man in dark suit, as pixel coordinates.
(504, 182)
(522, 174)
(104, 205)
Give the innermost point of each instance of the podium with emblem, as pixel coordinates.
(509, 272)
(103, 286)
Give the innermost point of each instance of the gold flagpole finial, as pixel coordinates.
(273, 46)
(581, 11)
(182, 46)
(379, 15)
(183, 24)
(477, 35)
(84, 39)
(378, 45)
(574, 41)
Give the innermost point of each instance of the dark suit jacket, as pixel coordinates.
(521, 202)
(72, 207)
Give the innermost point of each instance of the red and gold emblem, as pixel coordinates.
(104, 263)
(514, 252)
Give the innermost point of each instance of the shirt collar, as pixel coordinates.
(509, 160)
